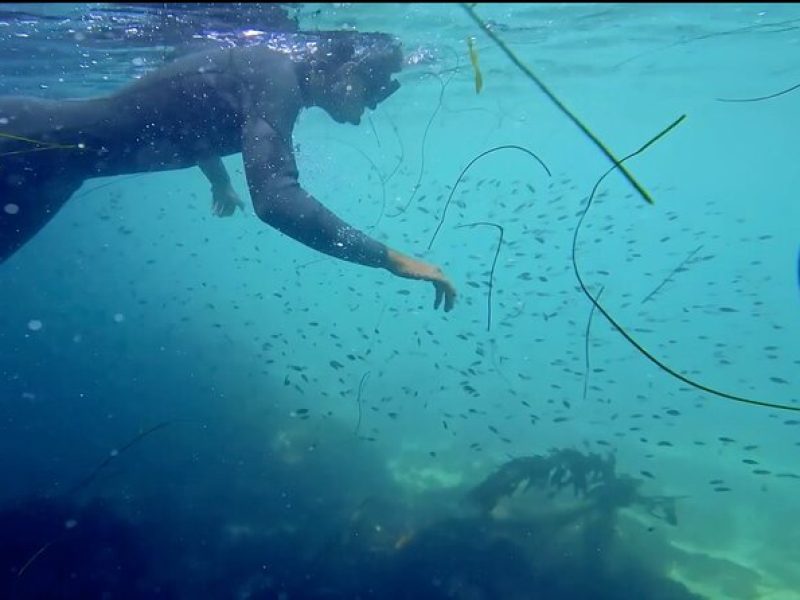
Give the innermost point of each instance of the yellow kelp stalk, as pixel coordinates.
(522, 67)
(595, 299)
(473, 58)
(618, 165)
(39, 145)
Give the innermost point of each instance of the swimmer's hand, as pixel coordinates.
(411, 268)
(226, 201)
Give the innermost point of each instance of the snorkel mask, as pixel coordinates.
(373, 56)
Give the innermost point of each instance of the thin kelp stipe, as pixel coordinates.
(402, 155)
(374, 131)
(779, 27)
(416, 187)
(358, 400)
(378, 174)
(464, 172)
(491, 273)
(453, 71)
(37, 554)
(113, 455)
(498, 370)
(85, 481)
(50, 146)
(40, 145)
(597, 142)
(760, 98)
(586, 345)
(672, 273)
(115, 181)
(619, 327)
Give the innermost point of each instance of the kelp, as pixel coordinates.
(358, 401)
(667, 369)
(83, 483)
(586, 337)
(491, 272)
(672, 273)
(760, 98)
(561, 106)
(40, 145)
(473, 59)
(467, 168)
(618, 164)
(435, 112)
(592, 478)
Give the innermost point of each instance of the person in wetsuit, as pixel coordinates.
(191, 112)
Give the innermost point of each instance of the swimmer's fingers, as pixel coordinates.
(226, 210)
(444, 291)
(237, 202)
(226, 201)
(411, 268)
(439, 295)
(221, 210)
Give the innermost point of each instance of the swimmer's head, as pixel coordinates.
(352, 71)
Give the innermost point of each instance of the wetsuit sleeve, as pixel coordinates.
(280, 202)
(215, 172)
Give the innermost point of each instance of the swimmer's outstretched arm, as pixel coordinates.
(280, 202)
(225, 198)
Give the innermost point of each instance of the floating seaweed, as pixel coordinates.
(476, 69)
(114, 454)
(760, 98)
(39, 145)
(491, 273)
(672, 273)
(94, 553)
(561, 106)
(358, 400)
(436, 110)
(466, 169)
(586, 346)
(667, 369)
(82, 485)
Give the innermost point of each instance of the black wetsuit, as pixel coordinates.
(197, 108)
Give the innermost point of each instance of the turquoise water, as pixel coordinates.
(136, 307)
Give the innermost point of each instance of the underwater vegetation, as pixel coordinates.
(618, 164)
(284, 513)
(496, 539)
(473, 58)
(58, 549)
(591, 477)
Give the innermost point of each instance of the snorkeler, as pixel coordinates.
(191, 112)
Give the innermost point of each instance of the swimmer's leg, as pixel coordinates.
(27, 203)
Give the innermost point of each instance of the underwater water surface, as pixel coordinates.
(200, 407)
